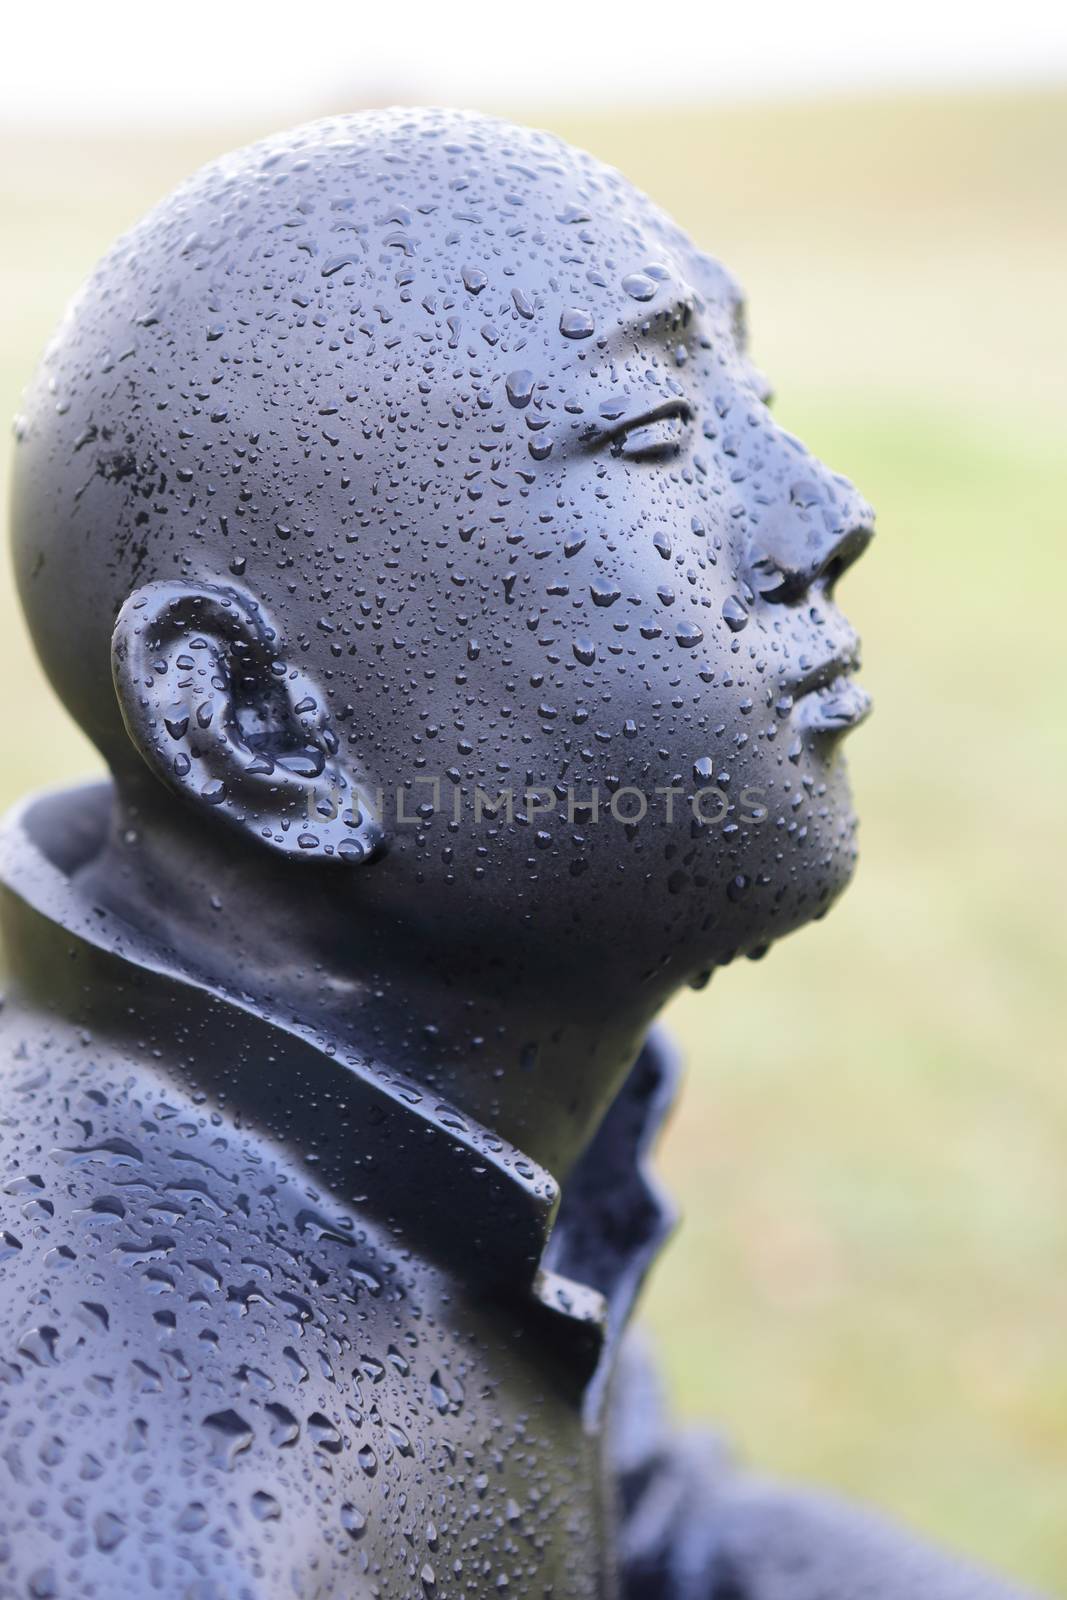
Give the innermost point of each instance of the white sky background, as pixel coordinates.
(119, 62)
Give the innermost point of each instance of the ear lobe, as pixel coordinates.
(219, 716)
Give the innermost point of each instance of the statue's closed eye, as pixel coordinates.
(649, 433)
(662, 436)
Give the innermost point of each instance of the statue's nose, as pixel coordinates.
(817, 528)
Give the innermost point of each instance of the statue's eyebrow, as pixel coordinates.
(679, 313)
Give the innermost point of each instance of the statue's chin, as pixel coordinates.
(808, 898)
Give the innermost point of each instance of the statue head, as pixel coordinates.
(398, 501)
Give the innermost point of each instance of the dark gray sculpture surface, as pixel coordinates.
(398, 510)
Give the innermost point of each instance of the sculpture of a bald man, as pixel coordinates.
(398, 511)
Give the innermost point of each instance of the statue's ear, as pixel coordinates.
(218, 715)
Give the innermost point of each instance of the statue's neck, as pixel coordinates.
(513, 1050)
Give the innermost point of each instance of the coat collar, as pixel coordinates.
(444, 1184)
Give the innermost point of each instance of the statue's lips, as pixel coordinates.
(836, 705)
(828, 698)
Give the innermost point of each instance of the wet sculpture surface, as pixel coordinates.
(398, 510)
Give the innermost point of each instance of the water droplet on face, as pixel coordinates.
(576, 323)
(324, 1434)
(520, 387)
(353, 1520)
(192, 1518)
(335, 263)
(735, 613)
(39, 1345)
(109, 1531)
(230, 1435)
(399, 1438)
(284, 1427)
(445, 1401)
(265, 1508)
(639, 286)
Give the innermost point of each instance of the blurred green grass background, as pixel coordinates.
(869, 1291)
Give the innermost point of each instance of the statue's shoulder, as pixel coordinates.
(217, 1378)
(181, 1327)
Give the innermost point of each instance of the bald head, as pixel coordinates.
(304, 361)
